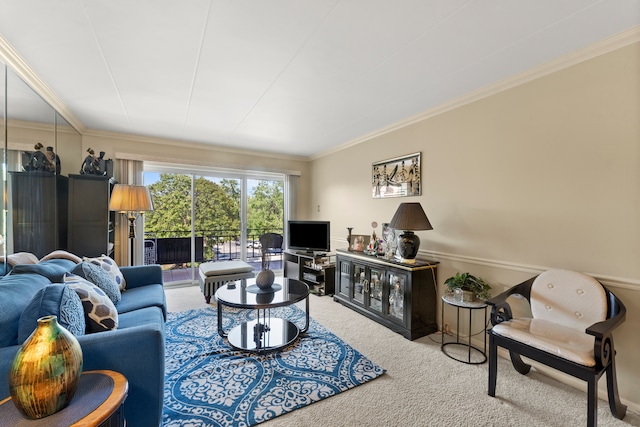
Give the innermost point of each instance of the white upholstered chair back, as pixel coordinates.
(568, 298)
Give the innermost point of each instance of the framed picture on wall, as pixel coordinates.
(398, 177)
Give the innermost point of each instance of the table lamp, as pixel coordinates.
(409, 217)
(131, 200)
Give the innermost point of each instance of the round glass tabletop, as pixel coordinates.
(289, 291)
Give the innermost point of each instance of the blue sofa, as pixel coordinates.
(136, 348)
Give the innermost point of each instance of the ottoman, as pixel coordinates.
(214, 274)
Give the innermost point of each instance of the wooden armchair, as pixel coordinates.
(573, 316)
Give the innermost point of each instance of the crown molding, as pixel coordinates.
(19, 66)
(599, 48)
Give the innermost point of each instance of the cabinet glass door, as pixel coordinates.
(374, 300)
(397, 288)
(345, 279)
(360, 283)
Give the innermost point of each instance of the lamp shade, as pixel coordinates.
(130, 198)
(410, 216)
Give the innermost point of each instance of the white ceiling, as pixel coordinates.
(287, 76)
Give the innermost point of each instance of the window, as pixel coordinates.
(209, 215)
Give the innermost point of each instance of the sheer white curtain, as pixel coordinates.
(128, 172)
(291, 197)
(290, 201)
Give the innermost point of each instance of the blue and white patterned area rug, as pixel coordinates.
(209, 384)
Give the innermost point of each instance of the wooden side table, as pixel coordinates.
(109, 387)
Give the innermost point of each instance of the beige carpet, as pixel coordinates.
(422, 386)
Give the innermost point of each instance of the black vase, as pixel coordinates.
(408, 244)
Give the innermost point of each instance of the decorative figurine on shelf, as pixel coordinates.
(54, 160)
(372, 248)
(106, 165)
(349, 237)
(91, 164)
(37, 160)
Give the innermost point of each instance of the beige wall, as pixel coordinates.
(546, 174)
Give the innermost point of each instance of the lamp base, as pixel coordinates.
(408, 244)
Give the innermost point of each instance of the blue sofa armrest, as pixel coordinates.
(142, 275)
(142, 364)
(7, 354)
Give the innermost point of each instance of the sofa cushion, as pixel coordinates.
(144, 316)
(144, 296)
(52, 269)
(100, 313)
(16, 291)
(100, 278)
(110, 266)
(58, 300)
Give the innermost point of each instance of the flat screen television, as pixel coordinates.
(309, 236)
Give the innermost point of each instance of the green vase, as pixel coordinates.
(45, 372)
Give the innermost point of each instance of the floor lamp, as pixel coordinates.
(133, 201)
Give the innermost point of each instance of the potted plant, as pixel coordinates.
(469, 286)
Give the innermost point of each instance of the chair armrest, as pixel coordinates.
(500, 308)
(600, 329)
(603, 348)
(142, 275)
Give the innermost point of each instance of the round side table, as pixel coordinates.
(474, 355)
(97, 403)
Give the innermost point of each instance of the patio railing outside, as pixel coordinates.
(173, 250)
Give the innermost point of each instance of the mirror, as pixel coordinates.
(3, 148)
(36, 186)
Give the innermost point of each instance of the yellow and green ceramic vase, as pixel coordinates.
(45, 372)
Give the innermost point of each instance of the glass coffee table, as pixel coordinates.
(265, 333)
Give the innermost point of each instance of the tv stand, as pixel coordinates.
(317, 270)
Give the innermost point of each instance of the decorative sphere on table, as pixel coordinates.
(265, 279)
(45, 371)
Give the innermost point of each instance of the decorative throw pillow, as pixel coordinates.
(110, 266)
(60, 254)
(58, 300)
(22, 258)
(100, 313)
(100, 278)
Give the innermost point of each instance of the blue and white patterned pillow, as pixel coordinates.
(110, 266)
(58, 300)
(100, 313)
(100, 278)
